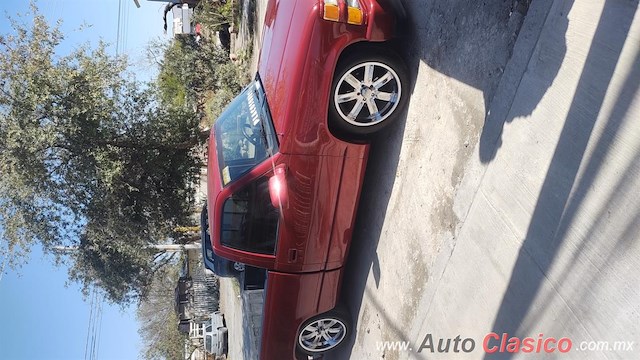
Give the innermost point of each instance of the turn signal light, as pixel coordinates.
(348, 11)
(331, 10)
(354, 16)
(354, 12)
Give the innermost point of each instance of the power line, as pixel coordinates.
(99, 331)
(91, 307)
(119, 23)
(95, 333)
(94, 328)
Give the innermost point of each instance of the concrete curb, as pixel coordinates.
(523, 50)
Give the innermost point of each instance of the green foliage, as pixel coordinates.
(158, 319)
(122, 267)
(89, 157)
(218, 102)
(213, 14)
(173, 90)
(230, 77)
(197, 75)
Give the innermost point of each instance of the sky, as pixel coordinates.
(41, 317)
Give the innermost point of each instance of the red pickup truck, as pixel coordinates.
(288, 156)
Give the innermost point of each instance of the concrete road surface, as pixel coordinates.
(508, 200)
(231, 307)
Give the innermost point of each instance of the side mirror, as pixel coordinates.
(278, 190)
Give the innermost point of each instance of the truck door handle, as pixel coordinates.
(293, 255)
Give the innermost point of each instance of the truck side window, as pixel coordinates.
(249, 221)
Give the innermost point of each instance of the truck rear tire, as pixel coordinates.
(324, 332)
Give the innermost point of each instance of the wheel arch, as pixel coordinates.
(355, 47)
(387, 49)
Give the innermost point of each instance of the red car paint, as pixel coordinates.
(324, 174)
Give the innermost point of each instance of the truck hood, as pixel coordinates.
(281, 54)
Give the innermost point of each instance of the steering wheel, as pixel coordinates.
(249, 134)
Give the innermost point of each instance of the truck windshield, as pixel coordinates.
(244, 134)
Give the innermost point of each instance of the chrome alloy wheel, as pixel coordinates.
(322, 335)
(367, 93)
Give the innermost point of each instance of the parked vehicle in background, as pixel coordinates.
(216, 335)
(287, 160)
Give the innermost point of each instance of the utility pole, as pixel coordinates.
(176, 247)
(160, 247)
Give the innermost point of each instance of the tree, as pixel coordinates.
(158, 319)
(214, 14)
(89, 157)
(196, 74)
(193, 65)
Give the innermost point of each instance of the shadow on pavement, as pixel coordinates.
(466, 40)
(473, 42)
(378, 184)
(563, 192)
(527, 56)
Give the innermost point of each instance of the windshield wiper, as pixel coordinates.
(263, 120)
(264, 134)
